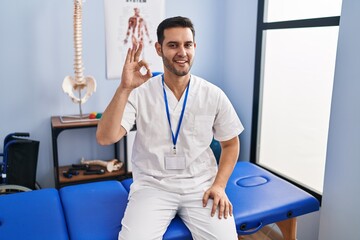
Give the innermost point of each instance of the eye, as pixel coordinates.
(188, 45)
(172, 45)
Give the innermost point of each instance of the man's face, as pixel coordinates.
(177, 50)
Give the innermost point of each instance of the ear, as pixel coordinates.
(158, 49)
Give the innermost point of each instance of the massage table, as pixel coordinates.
(259, 198)
(94, 210)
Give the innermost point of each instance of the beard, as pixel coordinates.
(171, 67)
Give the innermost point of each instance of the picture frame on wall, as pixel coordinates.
(128, 22)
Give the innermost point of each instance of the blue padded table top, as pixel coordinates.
(32, 215)
(94, 211)
(260, 198)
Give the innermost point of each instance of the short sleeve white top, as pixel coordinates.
(208, 114)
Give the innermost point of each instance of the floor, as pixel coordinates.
(270, 232)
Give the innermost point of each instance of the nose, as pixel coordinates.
(182, 51)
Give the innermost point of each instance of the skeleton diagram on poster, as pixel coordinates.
(128, 22)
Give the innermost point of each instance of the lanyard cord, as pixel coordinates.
(175, 137)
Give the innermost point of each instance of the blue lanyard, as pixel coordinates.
(175, 137)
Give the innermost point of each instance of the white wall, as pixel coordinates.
(340, 211)
(237, 80)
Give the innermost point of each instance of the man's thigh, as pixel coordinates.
(148, 214)
(198, 219)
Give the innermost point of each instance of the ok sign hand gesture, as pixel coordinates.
(132, 77)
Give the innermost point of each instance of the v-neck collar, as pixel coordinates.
(175, 106)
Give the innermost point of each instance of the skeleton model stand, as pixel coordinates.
(78, 83)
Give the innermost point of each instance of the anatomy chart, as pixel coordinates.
(128, 22)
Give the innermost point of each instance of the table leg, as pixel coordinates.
(288, 228)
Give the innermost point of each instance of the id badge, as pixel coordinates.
(175, 162)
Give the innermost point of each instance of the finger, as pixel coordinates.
(214, 207)
(221, 209)
(134, 46)
(230, 209)
(128, 56)
(148, 73)
(205, 198)
(138, 52)
(226, 210)
(133, 50)
(143, 63)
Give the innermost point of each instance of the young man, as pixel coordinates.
(177, 114)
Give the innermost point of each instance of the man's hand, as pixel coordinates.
(220, 200)
(132, 77)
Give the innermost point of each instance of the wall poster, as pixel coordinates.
(128, 21)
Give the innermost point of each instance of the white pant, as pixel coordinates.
(150, 211)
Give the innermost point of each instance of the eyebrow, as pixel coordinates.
(175, 42)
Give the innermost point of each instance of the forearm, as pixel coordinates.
(109, 129)
(228, 159)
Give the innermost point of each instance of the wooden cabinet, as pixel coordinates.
(58, 126)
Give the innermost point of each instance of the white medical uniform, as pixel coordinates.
(157, 193)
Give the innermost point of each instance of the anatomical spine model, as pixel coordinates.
(79, 82)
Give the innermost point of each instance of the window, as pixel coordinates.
(294, 72)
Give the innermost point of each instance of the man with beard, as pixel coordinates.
(177, 115)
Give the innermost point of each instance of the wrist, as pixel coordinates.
(124, 90)
(219, 185)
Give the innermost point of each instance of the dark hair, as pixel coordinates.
(172, 23)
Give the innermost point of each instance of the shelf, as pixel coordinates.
(58, 125)
(86, 178)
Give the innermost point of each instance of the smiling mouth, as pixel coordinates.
(180, 62)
